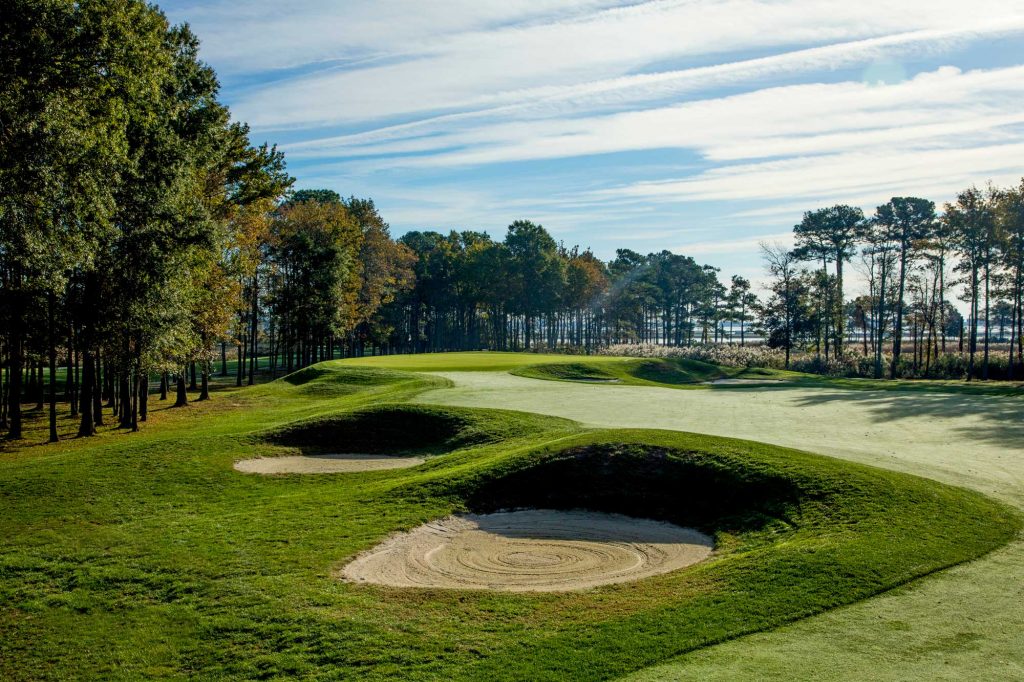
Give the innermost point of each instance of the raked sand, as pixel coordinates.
(324, 464)
(536, 550)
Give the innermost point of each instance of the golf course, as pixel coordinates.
(528, 522)
(589, 340)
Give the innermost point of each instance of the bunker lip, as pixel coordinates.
(325, 464)
(535, 550)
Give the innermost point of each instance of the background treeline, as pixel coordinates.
(913, 260)
(146, 244)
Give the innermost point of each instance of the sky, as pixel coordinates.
(700, 126)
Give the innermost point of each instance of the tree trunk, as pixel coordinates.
(135, 387)
(125, 402)
(254, 330)
(51, 303)
(897, 334)
(840, 323)
(97, 391)
(204, 391)
(240, 366)
(69, 380)
(942, 302)
(14, 381)
(182, 400)
(143, 396)
(984, 362)
(4, 386)
(40, 388)
(87, 426)
(108, 384)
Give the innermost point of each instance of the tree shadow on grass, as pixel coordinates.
(1001, 419)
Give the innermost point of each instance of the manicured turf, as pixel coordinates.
(146, 555)
(634, 372)
(482, 361)
(690, 374)
(964, 623)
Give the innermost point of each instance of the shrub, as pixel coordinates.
(724, 355)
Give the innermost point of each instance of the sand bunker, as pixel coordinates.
(529, 551)
(324, 464)
(743, 382)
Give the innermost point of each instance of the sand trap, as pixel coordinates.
(324, 464)
(529, 551)
(598, 381)
(742, 382)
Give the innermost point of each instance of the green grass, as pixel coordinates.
(147, 555)
(963, 623)
(677, 373)
(476, 361)
(694, 374)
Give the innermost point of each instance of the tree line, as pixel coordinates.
(912, 258)
(125, 184)
(145, 239)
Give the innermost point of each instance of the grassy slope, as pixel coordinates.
(964, 623)
(482, 361)
(692, 374)
(147, 555)
(632, 372)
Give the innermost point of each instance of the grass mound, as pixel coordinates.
(676, 371)
(795, 534)
(390, 429)
(688, 488)
(332, 379)
(405, 429)
(150, 557)
(671, 372)
(569, 371)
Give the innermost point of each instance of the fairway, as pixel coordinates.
(205, 571)
(964, 623)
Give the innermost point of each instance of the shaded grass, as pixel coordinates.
(675, 372)
(147, 556)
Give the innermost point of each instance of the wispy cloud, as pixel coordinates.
(797, 119)
(627, 122)
(457, 70)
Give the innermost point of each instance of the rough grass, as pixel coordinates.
(145, 555)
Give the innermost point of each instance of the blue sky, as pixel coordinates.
(700, 126)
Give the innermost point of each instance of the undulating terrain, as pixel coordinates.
(132, 555)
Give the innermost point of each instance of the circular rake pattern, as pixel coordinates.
(532, 550)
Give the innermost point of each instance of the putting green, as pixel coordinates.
(965, 623)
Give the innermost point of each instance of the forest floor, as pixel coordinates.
(148, 555)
